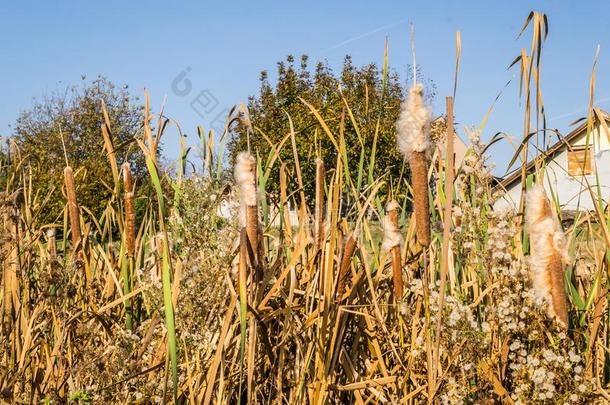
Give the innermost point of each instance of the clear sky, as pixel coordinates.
(222, 47)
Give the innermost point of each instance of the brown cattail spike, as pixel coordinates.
(413, 138)
(419, 176)
(319, 209)
(548, 256)
(73, 210)
(344, 270)
(130, 211)
(391, 243)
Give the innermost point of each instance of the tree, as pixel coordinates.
(370, 98)
(74, 119)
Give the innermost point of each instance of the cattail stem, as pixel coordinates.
(73, 210)
(319, 209)
(419, 176)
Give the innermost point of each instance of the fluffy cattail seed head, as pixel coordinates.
(413, 125)
(391, 234)
(245, 177)
(391, 243)
(548, 256)
(51, 243)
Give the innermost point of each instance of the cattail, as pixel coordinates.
(72, 206)
(319, 209)
(9, 282)
(548, 254)
(245, 177)
(344, 269)
(391, 243)
(130, 211)
(413, 137)
(51, 243)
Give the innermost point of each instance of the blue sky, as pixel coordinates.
(222, 47)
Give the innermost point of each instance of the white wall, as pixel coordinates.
(572, 192)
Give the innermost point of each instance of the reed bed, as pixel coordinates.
(350, 303)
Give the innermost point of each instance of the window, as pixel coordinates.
(579, 160)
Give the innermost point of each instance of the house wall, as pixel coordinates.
(572, 192)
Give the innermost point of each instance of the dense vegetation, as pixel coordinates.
(343, 302)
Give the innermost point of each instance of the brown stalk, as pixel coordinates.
(344, 269)
(449, 164)
(419, 176)
(72, 207)
(319, 209)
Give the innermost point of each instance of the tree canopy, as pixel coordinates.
(359, 92)
(74, 118)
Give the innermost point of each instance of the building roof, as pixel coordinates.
(515, 175)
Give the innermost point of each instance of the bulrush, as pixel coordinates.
(51, 244)
(245, 177)
(548, 256)
(319, 210)
(344, 269)
(391, 243)
(73, 210)
(130, 210)
(413, 137)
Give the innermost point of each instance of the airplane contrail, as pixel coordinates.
(578, 110)
(366, 34)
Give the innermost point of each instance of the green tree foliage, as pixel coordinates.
(76, 116)
(374, 106)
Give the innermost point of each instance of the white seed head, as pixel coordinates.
(391, 234)
(245, 177)
(413, 125)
